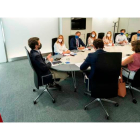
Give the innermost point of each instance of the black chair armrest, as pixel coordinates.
(45, 76)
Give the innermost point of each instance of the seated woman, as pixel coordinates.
(108, 38)
(91, 38)
(59, 46)
(132, 62)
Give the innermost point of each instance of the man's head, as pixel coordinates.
(122, 31)
(98, 44)
(138, 32)
(77, 34)
(34, 43)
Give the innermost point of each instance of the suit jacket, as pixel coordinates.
(40, 67)
(134, 38)
(73, 43)
(91, 61)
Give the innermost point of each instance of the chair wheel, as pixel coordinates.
(35, 102)
(116, 104)
(34, 90)
(107, 117)
(53, 101)
(134, 101)
(85, 108)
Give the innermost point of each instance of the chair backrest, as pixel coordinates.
(136, 80)
(53, 42)
(101, 35)
(115, 34)
(70, 37)
(133, 33)
(35, 74)
(88, 34)
(105, 79)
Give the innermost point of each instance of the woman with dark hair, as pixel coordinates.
(133, 61)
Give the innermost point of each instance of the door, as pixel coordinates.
(2, 47)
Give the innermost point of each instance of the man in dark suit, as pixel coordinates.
(41, 67)
(75, 42)
(91, 59)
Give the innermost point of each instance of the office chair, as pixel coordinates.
(133, 33)
(104, 83)
(37, 83)
(53, 42)
(115, 34)
(133, 84)
(88, 34)
(101, 35)
(70, 37)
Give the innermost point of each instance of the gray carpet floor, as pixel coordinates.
(16, 100)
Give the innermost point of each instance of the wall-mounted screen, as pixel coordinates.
(78, 23)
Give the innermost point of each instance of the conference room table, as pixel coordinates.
(78, 59)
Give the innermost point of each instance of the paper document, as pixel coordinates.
(66, 54)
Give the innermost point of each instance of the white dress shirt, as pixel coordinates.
(120, 38)
(59, 49)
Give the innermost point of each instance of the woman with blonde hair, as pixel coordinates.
(59, 46)
(108, 38)
(91, 38)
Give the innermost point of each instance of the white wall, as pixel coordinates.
(19, 30)
(130, 24)
(103, 24)
(65, 29)
(2, 50)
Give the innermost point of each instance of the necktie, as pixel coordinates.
(77, 43)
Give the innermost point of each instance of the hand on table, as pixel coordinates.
(50, 59)
(121, 42)
(49, 56)
(80, 48)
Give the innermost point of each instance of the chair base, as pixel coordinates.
(100, 101)
(130, 88)
(46, 89)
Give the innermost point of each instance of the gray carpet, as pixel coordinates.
(16, 100)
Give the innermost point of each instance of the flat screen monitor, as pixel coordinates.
(78, 23)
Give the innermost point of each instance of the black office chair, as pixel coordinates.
(70, 37)
(133, 33)
(88, 34)
(53, 42)
(101, 35)
(105, 79)
(36, 81)
(133, 84)
(115, 34)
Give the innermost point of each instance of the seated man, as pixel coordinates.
(91, 59)
(136, 37)
(121, 38)
(40, 65)
(75, 42)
